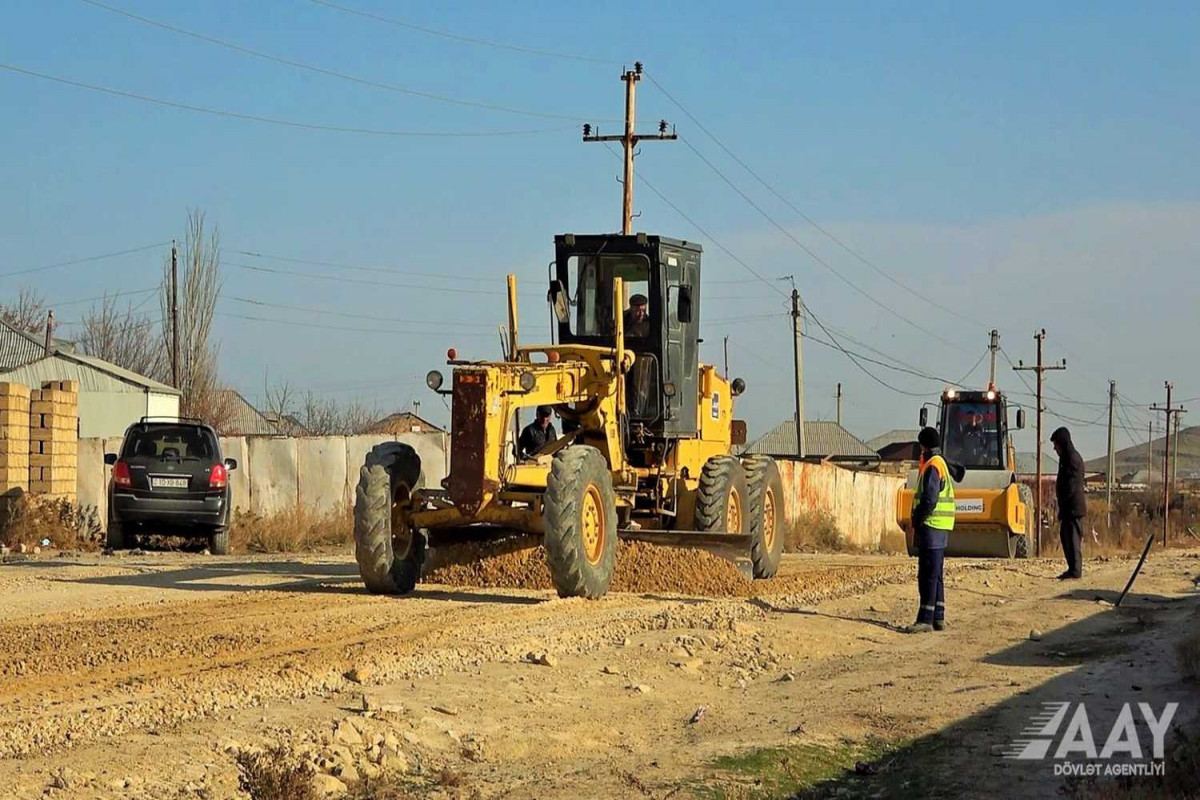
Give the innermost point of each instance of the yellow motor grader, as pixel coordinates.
(645, 451)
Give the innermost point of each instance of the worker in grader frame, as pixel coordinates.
(932, 519)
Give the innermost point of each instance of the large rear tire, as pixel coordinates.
(1023, 548)
(389, 552)
(723, 499)
(768, 523)
(581, 523)
(219, 541)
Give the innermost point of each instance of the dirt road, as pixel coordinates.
(142, 675)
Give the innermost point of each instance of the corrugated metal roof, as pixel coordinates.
(244, 419)
(120, 373)
(821, 439)
(93, 375)
(18, 348)
(386, 424)
(897, 436)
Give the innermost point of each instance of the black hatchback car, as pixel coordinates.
(170, 479)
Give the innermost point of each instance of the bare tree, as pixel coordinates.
(316, 416)
(199, 276)
(27, 312)
(123, 337)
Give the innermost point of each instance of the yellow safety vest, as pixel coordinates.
(942, 518)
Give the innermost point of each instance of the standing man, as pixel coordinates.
(932, 519)
(1072, 505)
(537, 434)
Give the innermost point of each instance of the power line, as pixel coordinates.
(342, 279)
(87, 259)
(358, 267)
(962, 381)
(920, 295)
(273, 120)
(813, 255)
(320, 326)
(461, 38)
(391, 87)
(106, 296)
(353, 315)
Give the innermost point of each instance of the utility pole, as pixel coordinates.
(726, 356)
(839, 403)
(1149, 451)
(1169, 410)
(174, 315)
(1041, 369)
(1175, 455)
(798, 354)
(993, 346)
(49, 331)
(1110, 464)
(629, 141)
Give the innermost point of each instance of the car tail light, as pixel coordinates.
(219, 477)
(120, 474)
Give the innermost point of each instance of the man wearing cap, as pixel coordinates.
(537, 434)
(932, 519)
(637, 316)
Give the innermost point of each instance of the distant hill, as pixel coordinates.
(1134, 459)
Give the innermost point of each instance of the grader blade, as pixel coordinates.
(733, 547)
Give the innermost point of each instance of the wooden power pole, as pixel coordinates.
(838, 396)
(1041, 369)
(1110, 464)
(174, 315)
(629, 141)
(798, 353)
(1170, 411)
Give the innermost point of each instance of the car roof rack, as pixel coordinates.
(194, 420)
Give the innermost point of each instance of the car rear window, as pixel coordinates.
(170, 441)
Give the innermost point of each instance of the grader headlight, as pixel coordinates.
(527, 381)
(434, 380)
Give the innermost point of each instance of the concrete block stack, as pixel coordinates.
(54, 439)
(14, 437)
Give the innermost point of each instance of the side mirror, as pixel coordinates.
(737, 387)
(558, 301)
(110, 458)
(684, 311)
(231, 464)
(1020, 419)
(924, 416)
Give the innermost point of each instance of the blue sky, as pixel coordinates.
(1032, 165)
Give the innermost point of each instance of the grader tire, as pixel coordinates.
(1023, 542)
(389, 553)
(723, 499)
(767, 519)
(581, 523)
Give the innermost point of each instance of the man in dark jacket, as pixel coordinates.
(1072, 505)
(537, 434)
(933, 520)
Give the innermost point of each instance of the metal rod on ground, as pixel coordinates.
(1041, 370)
(1136, 570)
(1109, 464)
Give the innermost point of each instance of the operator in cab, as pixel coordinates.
(537, 434)
(637, 316)
(932, 520)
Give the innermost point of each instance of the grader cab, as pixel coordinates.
(647, 433)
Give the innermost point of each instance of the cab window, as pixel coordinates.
(591, 278)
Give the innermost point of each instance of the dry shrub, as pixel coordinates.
(27, 519)
(275, 774)
(814, 530)
(1188, 652)
(294, 531)
(1135, 516)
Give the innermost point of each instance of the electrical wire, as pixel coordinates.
(357, 267)
(273, 120)
(963, 380)
(391, 87)
(84, 260)
(107, 296)
(319, 326)
(461, 38)
(922, 296)
(354, 315)
(342, 279)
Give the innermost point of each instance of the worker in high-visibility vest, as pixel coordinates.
(933, 519)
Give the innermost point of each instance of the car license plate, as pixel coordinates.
(168, 483)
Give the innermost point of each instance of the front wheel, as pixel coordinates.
(389, 552)
(722, 500)
(581, 523)
(767, 519)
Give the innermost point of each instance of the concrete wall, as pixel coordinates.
(277, 473)
(863, 504)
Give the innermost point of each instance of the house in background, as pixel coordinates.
(897, 445)
(111, 398)
(241, 417)
(826, 441)
(403, 422)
